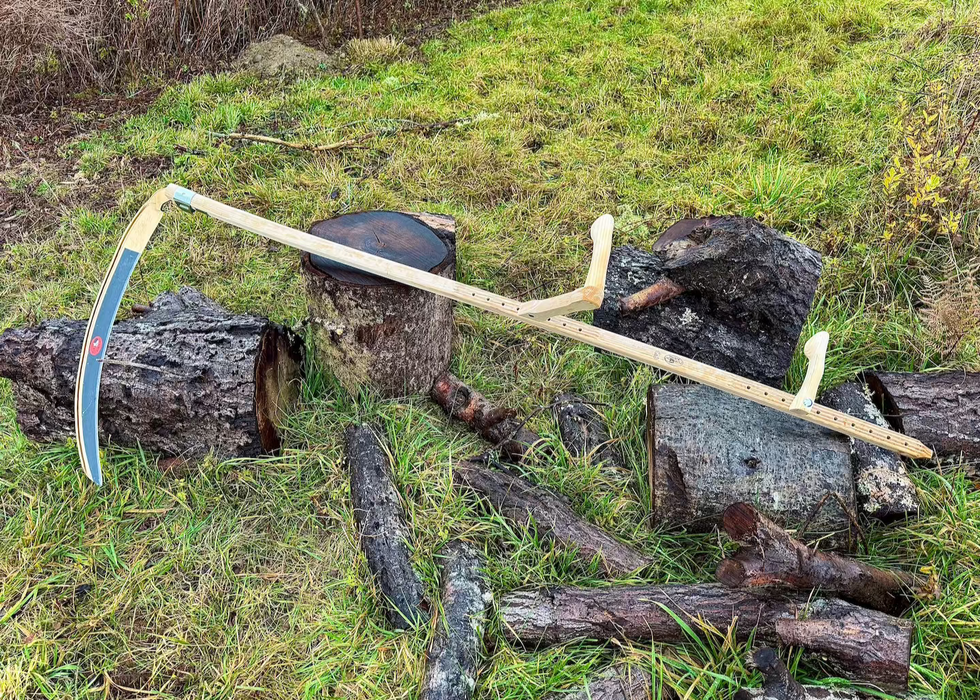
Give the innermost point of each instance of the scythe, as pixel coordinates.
(544, 314)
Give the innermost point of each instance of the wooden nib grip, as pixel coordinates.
(584, 298)
(816, 352)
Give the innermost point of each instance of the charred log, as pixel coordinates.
(584, 433)
(780, 684)
(524, 503)
(729, 291)
(381, 527)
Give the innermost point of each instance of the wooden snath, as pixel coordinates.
(538, 315)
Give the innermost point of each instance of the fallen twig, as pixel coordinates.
(356, 141)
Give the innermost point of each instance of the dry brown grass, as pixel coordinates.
(51, 45)
(952, 310)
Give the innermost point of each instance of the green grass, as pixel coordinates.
(243, 579)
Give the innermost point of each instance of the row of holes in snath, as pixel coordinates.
(747, 387)
(817, 411)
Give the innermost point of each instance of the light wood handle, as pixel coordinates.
(584, 298)
(815, 350)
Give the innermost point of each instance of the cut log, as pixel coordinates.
(495, 425)
(712, 449)
(884, 489)
(864, 645)
(770, 557)
(186, 378)
(457, 647)
(727, 291)
(780, 684)
(620, 682)
(372, 332)
(584, 433)
(942, 409)
(523, 502)
(381, 527)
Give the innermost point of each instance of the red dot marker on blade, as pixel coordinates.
(96, 346)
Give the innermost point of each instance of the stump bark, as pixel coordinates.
(884, 489)
(372, 332)
(770, 557)
(584, 432)
(711, 449)
(864, 645)
(457, 647)
(524, 503)
(941, 409)
(383, 533)
(727, 291)
(494, 424)
(186, 378)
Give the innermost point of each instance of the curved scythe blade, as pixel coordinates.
(96, 342)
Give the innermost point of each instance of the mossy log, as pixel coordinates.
(454, 656)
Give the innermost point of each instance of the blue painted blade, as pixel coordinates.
(88, 438)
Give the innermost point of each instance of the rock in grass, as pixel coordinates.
(382, 528)
(584, 432)
(457, 647)
(620, 682)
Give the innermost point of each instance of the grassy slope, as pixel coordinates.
(243, 579)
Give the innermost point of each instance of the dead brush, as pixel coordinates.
(932, 188)
(365, 54)
(951, 310)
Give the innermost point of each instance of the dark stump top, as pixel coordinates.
(388, 234)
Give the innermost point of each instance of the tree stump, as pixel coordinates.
(372, 332)
(711, 449)
(186, 378)
(942, 409)
(727, 291)
(884, 489)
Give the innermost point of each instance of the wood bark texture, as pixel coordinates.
(494, 424)
(457, 647)
(780, 684)
(747, 291)
(864, 645)
(770, 557)
(884, 489)
(584, 432)
(383, 533)
(372, 332)
(619, 682)
(712, 449)
(942, 409)
(186, 378)
(521, 501)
